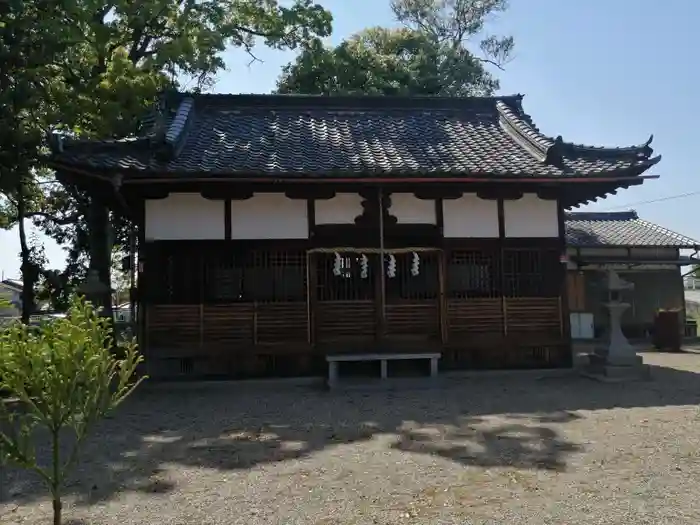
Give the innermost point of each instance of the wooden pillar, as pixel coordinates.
(141, 285)
(501, 263)
(442, 270)
(381, 204)
(132, 277)
(442, 296)
(381, 314)
(564, 302)
(312, 296)
(100, 249)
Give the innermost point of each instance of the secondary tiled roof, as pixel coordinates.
(12, 284)
(293, 135)
(620, 229)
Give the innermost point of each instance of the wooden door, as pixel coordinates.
(412, 297)
(343, 298)
(352, 305)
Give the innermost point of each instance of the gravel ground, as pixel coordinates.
(501, 449)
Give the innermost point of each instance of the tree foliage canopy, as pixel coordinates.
(456, 23)
(91, 68)
(429, 55)
(132, 51)
(383, 61)
(33, 38)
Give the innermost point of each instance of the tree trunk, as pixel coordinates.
(28, 273)
(56, 477)
(57, 511)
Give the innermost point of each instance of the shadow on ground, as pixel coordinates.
(506, 421)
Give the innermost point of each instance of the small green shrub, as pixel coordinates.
(64, 375)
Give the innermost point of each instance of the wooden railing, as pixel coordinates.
(345, 321)
(474, 316)
(212, 328)
(413, 320)
(508, 315)
(192, 326)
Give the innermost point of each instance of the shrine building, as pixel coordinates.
(275, 230)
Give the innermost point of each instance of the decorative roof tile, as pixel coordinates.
(625, 228)
(299, 135)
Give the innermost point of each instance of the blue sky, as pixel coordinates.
(602, 72)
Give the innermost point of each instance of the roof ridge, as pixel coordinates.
(195, 95)
(321, 101)
(626, 215)
(177, 130)
(521, 128)
(547, 147)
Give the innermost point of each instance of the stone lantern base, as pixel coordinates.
(601, 369)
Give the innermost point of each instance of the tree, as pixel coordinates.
(126, 55)
(384, 61)
(456, 22)
(428, 56)
(32, 36)
(65, 377)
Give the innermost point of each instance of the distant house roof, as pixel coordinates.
(291, 136)
(621, 229)
(12, 284)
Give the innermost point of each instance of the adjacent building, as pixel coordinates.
(11, 293)
(649, 256)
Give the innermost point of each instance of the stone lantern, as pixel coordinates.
(618, 359)
(95, 291)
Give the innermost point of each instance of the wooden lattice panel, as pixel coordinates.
(533, 315)
(345, 320)
(472, 315)
(414, 319)
(280, 323)
(172, 325)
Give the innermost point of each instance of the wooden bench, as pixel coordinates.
(334, 359)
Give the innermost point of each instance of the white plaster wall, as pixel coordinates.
(470, 216)
(531, 216)
(269, 216)
(182, 216)
(409, 209)
(341, 209)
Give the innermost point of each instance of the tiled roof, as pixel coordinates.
(12, 284)
(296, 135)
(620, 229)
